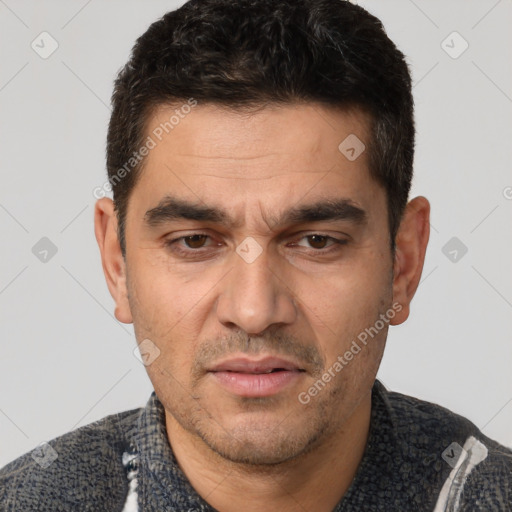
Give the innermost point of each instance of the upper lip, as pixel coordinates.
(247, 365)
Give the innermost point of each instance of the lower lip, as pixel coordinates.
(256, 384)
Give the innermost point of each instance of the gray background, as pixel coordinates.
(65, 361)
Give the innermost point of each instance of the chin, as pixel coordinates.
(256, 443)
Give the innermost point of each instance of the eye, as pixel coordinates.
(194, 241)
(191, 245)
(319, 242)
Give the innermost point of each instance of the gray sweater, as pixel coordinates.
(419, 457)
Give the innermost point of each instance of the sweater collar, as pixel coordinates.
(161, 484)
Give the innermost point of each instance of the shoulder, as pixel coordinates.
(476, 470)
(82, 467)
(420, 421)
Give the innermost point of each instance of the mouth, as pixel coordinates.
(256, 378)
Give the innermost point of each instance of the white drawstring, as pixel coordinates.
(130, 463)
(472, 454)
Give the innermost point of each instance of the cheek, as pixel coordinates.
(165, 292)
(169, 307)
(345, 304)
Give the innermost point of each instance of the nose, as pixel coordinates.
(253, 297)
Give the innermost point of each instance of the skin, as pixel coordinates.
(296, 299)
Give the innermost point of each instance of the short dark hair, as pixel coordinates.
(252, 53)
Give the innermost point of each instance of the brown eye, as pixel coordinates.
(195, 241)
(317, 241)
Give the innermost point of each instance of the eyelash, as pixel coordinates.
(173, 245)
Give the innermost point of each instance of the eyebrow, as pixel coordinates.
(335, 209)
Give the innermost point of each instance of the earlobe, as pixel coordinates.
(114, 266)
(411, 245)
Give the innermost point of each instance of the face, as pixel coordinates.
(257, 256)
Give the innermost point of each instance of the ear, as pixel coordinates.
(114, 265)
(411, 245)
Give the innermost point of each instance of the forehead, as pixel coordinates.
(293, 130)
(273, 155)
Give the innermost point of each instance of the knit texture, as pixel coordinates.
(419, 457)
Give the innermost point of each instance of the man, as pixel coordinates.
(261, 241)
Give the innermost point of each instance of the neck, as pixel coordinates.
(316, 480)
